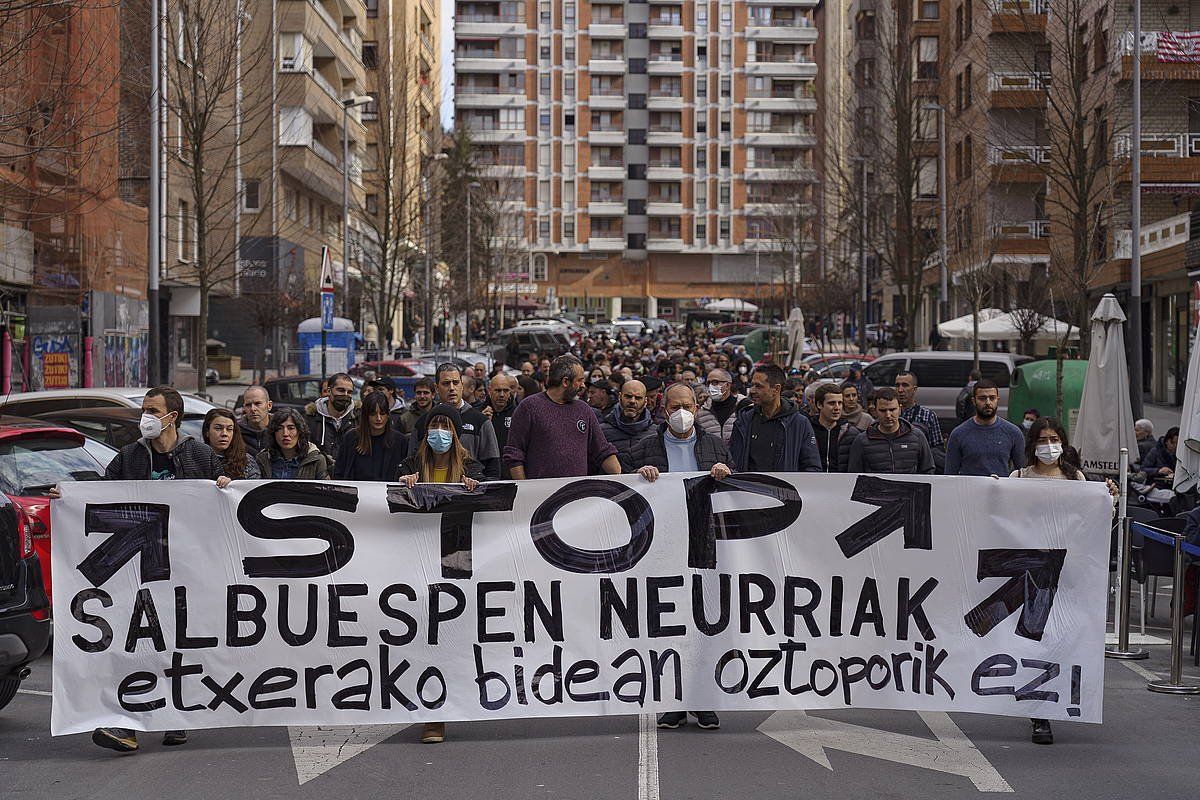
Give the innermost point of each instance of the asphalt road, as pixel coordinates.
(1147, 747)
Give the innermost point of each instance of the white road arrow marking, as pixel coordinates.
(647, 757)
(950, 752)
(316, 750)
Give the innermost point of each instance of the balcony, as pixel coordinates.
(486, 96)
(1018, 89)
(662, 243)
(502, 171)
(606, 171)
(664, 102)
(489, 61)
(606, 65)
(664, 208)
(800, 29)
(490, 133)
(605, 243)
(664, 171)
(315, 166)
(780, 171)
(664, 64)
(607, 28)
(327, 37)
(776, 100)
(1019, 16)
(615, 136)
(782, 3)
(794, 135)
(606, 207)
(1166, 157)
(607, 100)
(1020, 164)
(1029, 229)
(1165, 56)
(791, 66)
(1156, 236)
(489, 25)
(665, 29)
(312, 92)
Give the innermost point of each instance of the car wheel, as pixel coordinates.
(8, 690)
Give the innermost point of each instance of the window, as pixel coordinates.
(864, 120)
(569, 53)
(723, 193)
(968, 15)
(512, 119)
(701, 156)
(637, 206)
(726, 51)
(544, 16)
(370, 55)
(568, 231)
(725, 87)
(568, 120)
(927, 58)
(637, 101)
(544, 83)
(290, 206)
(864, 26)
(187, 242)
(958, 93)
(569, 14)
(702, 13)
(723, 229)
(927, 9)
(372, 9)
(1100, 42)
(637, 172)
(544, 52)
(724, 158)
(544, 228)
(967, 147)
(701, 231)
(251, 191)
(958, 26)
(927, 123)
(864, 73)
(1081, 47)
(637, 66)
(926, 177)
(725, 122)
(636, 241)
(637, 30)
(967, 81)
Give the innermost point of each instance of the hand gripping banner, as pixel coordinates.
(179, 605)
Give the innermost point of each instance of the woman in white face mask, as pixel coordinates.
(1047, 453)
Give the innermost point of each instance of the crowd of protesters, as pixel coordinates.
(609, 407)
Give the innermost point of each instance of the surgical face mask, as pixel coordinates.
(1027, 424)
(439, 440)
(681, 420)
(340, 401)
(150, 426)
(1048, 453)
(714, 392)
(742, 369)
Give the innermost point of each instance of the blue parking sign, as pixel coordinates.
(326, 311)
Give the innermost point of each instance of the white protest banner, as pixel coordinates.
(180, 605)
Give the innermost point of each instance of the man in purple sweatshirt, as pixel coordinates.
(554, 434)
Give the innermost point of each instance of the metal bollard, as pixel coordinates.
(1124, 557)
(1176, 685)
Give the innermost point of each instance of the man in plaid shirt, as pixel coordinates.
(920, 416)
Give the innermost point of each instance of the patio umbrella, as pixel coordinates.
(962, 327)
(1004, 327)
(1187, 454)
(795, 327)
(1105, 422)
(731, 304)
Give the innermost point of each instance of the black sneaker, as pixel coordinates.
(173, 738)
(707, 720)
(1041, 732)
(672, 719)
(120, 739)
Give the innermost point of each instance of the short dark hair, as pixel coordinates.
(562, 368)
(424, 382)
(983, 383)
(1172, 432)
(849, 385)
(824, 390)
(277, 420)
(174, 401)
(910, 374)
(1033, 411)
(445, 366)
(340, 376)
(885, 393)
(773, 373)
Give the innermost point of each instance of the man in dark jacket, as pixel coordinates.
(499, 407)
(162, 454)
(1159, 465)
(479, 435)
(771, 435)
(828, 425)
(256, 416)
(892, 445)
(330, 417)
(629, 422)
(680, 446)
(424, 390)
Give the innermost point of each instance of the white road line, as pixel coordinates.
(647, 757)
(316, 749)
(34, 691)
(1138, 669)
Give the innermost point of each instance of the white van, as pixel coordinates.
(941, 375)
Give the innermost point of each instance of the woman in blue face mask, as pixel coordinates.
(440, 459)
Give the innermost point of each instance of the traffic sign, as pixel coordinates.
(326, 269)
(326, 311)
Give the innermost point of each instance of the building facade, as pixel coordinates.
(654, 155)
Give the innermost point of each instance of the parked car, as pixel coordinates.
(29, 404)
(733, 329)
(514, 345)
(633, 327)
(941, 375)
(35, 456)
(115, 427)
(24, 600)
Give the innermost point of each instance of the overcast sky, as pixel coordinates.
(447, 62)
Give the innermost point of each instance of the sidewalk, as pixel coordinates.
(1163, 417)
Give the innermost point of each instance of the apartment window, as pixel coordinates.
(544, 16)
(636, 241)
(636, 206)
(372, 9)
(568, 231)
(967, 146)
(864, 120)
(544, 83)
(1081, 47)
(569, 14)
(544, 52)
(187, 243)
(568, 120)
(927, 58)
(702, 123)
(958, 93)
(724, 158)
(726, 14)
(968, 80)
(637, 101)
(927, 9)
(701, 86)
(726, 124)
(568, 84)
(726, 51)
(544, 228)
(637, 172)
(512, 119)
(251, 195)
(926, 177)
(723, 194)
(544, 121)
(370, 55)
(702, 13)
(864, 26)
(1100, 42)
(290, 206)
(569, 53)
(637, 30)
(701, 156)
(723, 229)
(968, 18)
(725, 87)
(701, 231)
(927, 122)
(637, 66)
(864, 73)
(958, 26)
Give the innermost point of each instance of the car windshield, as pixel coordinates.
(34, 466)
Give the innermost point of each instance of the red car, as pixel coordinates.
(36, 456)
(406, 368)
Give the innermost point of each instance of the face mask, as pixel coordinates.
(150, 426)
(681, 420)
(1027, 424)
(1048, 453)
(340, 402)
(742, 369)
(715, 392)
(439, 440)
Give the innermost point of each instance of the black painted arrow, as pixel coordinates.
(1032, 581)
(136, 529)
(903, 505)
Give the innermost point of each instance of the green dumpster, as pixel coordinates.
(1033, 386)
(760, 341)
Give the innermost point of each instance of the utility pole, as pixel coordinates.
(427, 339)
(154, 213)
(471, 187)
(347, 104)
(1135, 233)
(862, 258)
(943, 268)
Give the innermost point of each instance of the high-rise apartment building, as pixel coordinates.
(653, 154)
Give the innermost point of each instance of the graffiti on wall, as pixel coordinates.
(125, 359)
(55, 362)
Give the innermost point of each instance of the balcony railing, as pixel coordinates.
(607, 91)
(768, 22)
(667, 163)
(760, 163)
(667, 57)
(664, 20)
(1029, 229)
(491, 17)
(1019, 6)
(1019, 156)
(780, 58)
(326, 154)
(1167, 45)
(607, 162)
(1155, 236)
(1159, 145)
(777, 94)
(1018, 81)
(324, 83)
(799, 130)
(469, 88)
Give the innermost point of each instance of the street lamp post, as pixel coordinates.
(862, 257)
(347, 104)
(427, 340)
(943, 289)
(757, 295)
(1135, 233)
(471, 187)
